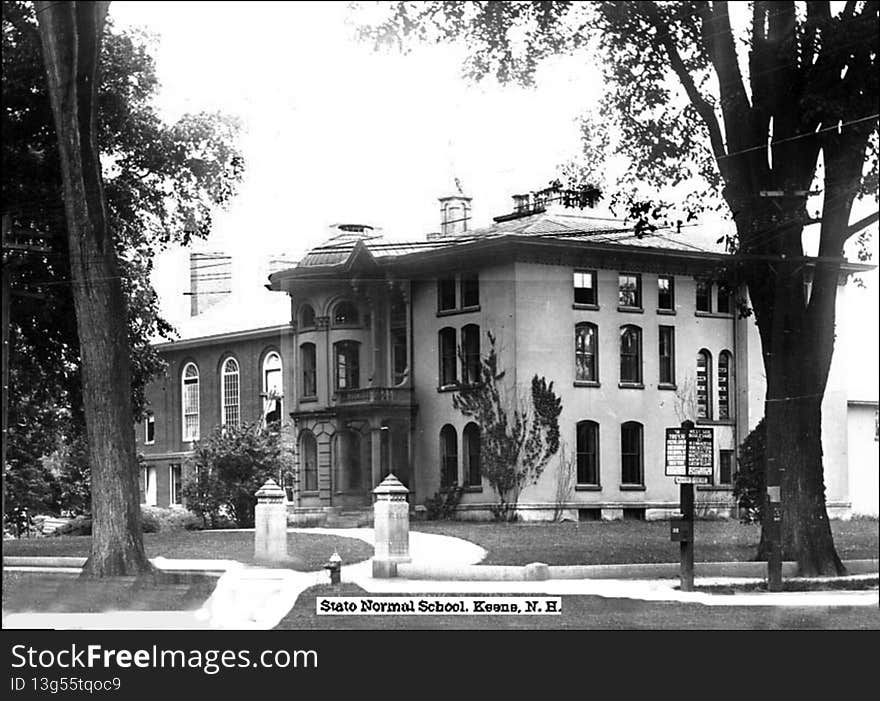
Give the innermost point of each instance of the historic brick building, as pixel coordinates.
(633, 332)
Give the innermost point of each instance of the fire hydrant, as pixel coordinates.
(334, 565)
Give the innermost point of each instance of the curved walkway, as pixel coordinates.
(258, 597)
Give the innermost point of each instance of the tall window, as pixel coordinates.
(397, 331)
(471, 438)
(175, 480)
(585, 353)
(149, 428)
(666, 293)
(725, 299)
(229, 386)
(347, 364)
(725, 467)
(309, 376)
(190, 401)
(345, 314)
(588, 452)
(470, 290)
(307, 316)
(585, 287)
(630, 290)
(667, 355)
(704, 385)
(631, 355)
(446, 294)
(470, 354)
(448, 456)
(448, 373)
(308, 451)
(150, 486)
(273, 388)
(631, 462)
(725, 385)
(704, 296)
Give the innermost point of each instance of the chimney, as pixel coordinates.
(210, 280)
(455, 212)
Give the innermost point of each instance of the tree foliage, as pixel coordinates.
(518, 435)
(720, 116)
(227, 468)
(749, 486)
(162, 184)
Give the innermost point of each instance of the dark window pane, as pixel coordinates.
(309, 457)
(667, 355)
(585, 287)
(725, 467)
(470, 349)
(630, 291)
(448, 457)
(347, 365)
(631, 453)
(585, 353)
(724, 299)
(666, 292)
(704, 296)
(448, 362)
(630, 355)
(345, 313)
(470, 291)
(446, 294)
(307, 354)
(588, 452)
(307, 316)
(472, 443)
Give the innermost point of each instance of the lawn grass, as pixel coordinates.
(309, 551)
(590, 613)
(621, 542)
(58, 592)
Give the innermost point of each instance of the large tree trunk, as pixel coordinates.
(71, 36)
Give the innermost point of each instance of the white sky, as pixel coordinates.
(337, 132)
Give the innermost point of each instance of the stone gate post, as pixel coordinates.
(391, 527)
(270, 523)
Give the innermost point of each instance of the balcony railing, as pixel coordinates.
(386, 396)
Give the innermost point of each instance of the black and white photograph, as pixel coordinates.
(433, 316)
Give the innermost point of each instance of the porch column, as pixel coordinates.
(375, 455)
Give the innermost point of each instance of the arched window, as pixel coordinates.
(704, 384)
(448, 456)
(725, 385)
(631, 355)
(470, 354)
(307, 316)
(190, 402)
(631, 455)
(345, 314)
(309, 377)
(347, 355)
(308, 452)
(471, 438)
(229, 390)
(588, 452)
(273, 388)
(448, 371)
(586, 339)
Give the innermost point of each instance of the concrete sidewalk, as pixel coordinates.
(257, 598)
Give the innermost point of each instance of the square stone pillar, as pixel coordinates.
(391, 527)
(270, 523)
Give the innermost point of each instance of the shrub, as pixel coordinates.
(749, 481)
(149, 521)
(442, 505)
(170, 519)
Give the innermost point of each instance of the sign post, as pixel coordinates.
(690, 459)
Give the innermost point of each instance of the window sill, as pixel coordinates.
(308, 400)
(714, 315)
(715, 422)
(630, 385)
(667, 385)
(667, 312)
(473, 489)
(588, 488)
(585, 307)
(714, 488)
(449, 388)
(631, 310)
(586, 383)
(462, 310)
(632, 488)
(348, 326)
(314, 493)
(303, 329)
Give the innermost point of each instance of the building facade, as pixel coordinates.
(637, 333)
